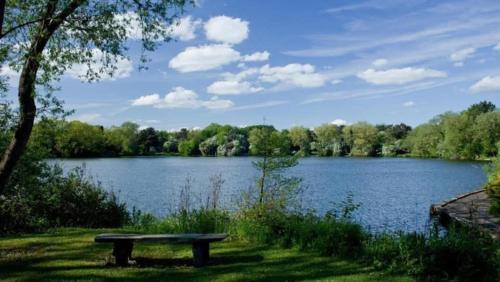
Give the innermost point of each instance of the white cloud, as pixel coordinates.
(398, 76)
(458, 57)
(180, 97)
(336, 81)
(87, 117)
(122, 68)
(130, 21)
(185, 28)
(259, 105)
(204, 57)
(339, 122)
(297, 75)
(380, 62)
(226, 29)
(497, 47)
(257, 57)
(182, 29)
(409, 104)
(147, 100)
(487, 84)
(232, 87)
(11, 74)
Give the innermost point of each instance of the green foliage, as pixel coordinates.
(471, 134)
(424, 140)
(361, 139)
(329, 140)
(194, 221)
(300, 138)
(80, 139)
(51, 199)
(460, 254)
(493, 186)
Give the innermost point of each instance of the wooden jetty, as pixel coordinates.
(471, 209)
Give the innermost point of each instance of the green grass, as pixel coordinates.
(71, 254)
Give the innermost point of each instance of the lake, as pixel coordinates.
(394, 193)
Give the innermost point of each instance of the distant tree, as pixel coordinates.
(149, 141)
(209, 146)
(486, 133)
(424, 140)
(260, 138)
(328, 140)
(124, 139)
(79, 139)
(480, 108)
(361, 138)
(301, 139)
(458, 136)
(188, 148)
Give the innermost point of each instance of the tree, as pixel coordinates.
(149, 141)
(480, 108)
(362, 139)
(42, 39)
(424, 140)
(123, 139)
(274, 147)
(79, 139)
(329, 140)
(486, 133)
(301, 138)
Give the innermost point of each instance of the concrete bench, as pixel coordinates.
(124, 243)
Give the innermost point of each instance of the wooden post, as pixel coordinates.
(201, 253)
(122, 250)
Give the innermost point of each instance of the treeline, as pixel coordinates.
(471, 134)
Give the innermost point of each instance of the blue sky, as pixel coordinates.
(304, 63)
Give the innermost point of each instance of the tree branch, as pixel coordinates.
(2, 35)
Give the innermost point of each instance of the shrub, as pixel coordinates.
(52, 199)
(195, 221)
(460, 254)
(493, 186)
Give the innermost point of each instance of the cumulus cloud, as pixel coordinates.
(180, 97)
(299, 75)
(232, 87)
(398, 76)
(122, 68)
(339, 122)
(486, 84)
(226, 29)
(409, 104)
(183, 29)
(204, 57)
(380, 62)
(147, 100)
(257, 57)
(460, 56)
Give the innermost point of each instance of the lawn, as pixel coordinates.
(71, 254)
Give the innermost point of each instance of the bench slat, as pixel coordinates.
(173, 238)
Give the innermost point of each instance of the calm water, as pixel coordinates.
(395, 194)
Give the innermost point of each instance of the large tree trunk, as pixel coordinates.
(26, 91)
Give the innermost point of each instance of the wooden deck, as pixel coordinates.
(471, 209)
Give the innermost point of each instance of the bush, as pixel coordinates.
(195, 221)
(54, 200)
(493, 187)
(461, 254)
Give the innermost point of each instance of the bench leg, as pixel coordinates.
(201, 253)
(122, 252)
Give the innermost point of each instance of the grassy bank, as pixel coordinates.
(71, 254)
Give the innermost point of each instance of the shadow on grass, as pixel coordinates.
(74, 256)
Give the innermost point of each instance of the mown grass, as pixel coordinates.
(71, 254)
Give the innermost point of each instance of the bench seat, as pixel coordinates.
(124, 243)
